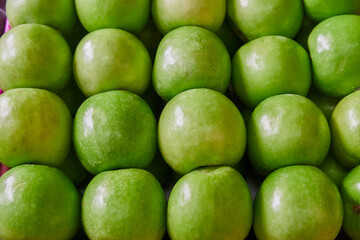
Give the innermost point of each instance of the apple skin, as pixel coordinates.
(58, 14)
(190, 57)
(350, 193)
(115, 129)
(229, 38)
(34, 55)
(286, 130)
(151, 38)
(201, 127)
(111, 59)
(124, 204)
(38, 202)
(72, 168)
(210, 203)
(263, 18)
(345, 129)
(302, 36)
(260, 69)
(335, 64)
(131, 16)
(171, 14)
(35, 127)
(298, 202)
(319, 10)
(333, 169)
(72, 96)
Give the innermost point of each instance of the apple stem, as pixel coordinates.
(356, 209)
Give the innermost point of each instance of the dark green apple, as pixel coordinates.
(190, 57)
(151, 38)
(260, 69)
(34, 55)
(286, 130)
(210, 203)
(229, 38)
(333, 169)
(350, 192)
(115, 129)
(302, 36)
(260, 18)
(38, 202)
(35, 127)
(72, 168)
(72, 96)
(59, 14)
(335, 55)
(201, 127)
(124, 204)
(159, 168)
(345, 129)
(111, 59)
(131, 15)
(298, 202)
(171, 14)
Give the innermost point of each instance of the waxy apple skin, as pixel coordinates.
(190, 57)
(262, 17)
(285, 130)
(298, 202)
(131, 15)
(333, 169)
(201, 127)
(171, 14)
(35, 127)
(350, 193)
(124, 204)
(335, 55)
(115, 129)
(34, 55)
(345, 129)
(210, 203)
(58, 14)
(38, 202)
(111, 59)
(260, 69)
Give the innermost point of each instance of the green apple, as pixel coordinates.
(115, 129)
(335, 55)
(131, 15)
(58, 14)
(77, 33)
(151, 38)
(124, 204)
(319, 10)
(260, 18)
(210, 203)
(345, 129)
(260, 69)
(159, 168)
(303, 35)
(72, 168)
(72, 96)
(111, 59)
(35, 127)
(229, 38)
(154, 101)
(34, 55)
(286, 130)
(298, 202)
(38, 202)
(333, 169)
(350, 192)
(171, 14)
(190, 57)
(201, 127)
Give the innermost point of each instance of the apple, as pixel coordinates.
(298, 202)
(285, 130)
(124, 204)
(35, 127)
(34, 55)
(115, 129)
(72, 168)
(333, 169)
(72, 96)
(190, 57)
(260, 18)
(111, 59)
(345, 129)
(302, 36)
(131, 15)
(350, 192)
(38, 202)
(159, 168)
(201, 127)
(151, 38)
(260, 69)
(229, 38)
(58, 14)
(210, 203)
(335, 55)
(154, 101)
(171, 14)
(319, 10)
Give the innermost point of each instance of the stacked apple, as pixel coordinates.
(85, 83)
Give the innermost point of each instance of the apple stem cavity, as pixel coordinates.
(356, 209)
